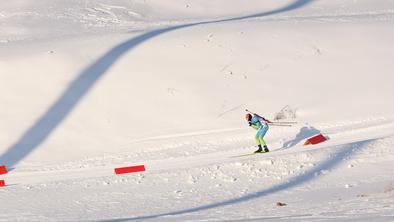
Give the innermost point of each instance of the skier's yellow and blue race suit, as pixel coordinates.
(260, 124)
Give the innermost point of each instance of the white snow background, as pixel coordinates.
(90, 85)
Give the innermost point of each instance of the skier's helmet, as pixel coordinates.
(248, 117)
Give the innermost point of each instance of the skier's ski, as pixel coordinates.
(250, 154)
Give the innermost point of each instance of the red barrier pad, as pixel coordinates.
(2, 183)
(315, 139)
(130, 169)
(3, 170)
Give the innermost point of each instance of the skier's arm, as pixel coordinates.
(254, 126)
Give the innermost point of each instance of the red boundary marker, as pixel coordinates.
(3, 170)
(130, 169)
(315, 139)
(2, 183)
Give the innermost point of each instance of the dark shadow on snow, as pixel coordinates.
(305, 132)
(52, 118)
(334, 160)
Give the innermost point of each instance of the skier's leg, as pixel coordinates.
(261, 133)
(258, 141)
(262, 141)
(257, 138)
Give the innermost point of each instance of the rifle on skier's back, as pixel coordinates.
(273, 123)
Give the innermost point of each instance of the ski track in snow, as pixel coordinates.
(338, 154)
(294, 166)
(176, 159)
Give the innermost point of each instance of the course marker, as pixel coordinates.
(2, 183)
(315, 140)
(3, 170)
(130, 169)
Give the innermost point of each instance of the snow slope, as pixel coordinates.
(87, 86)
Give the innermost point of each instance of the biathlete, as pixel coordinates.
(261, 125)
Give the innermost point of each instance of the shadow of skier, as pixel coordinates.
(52, 118)
(305, 132)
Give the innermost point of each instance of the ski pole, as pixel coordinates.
(252, 112)
(285, 122)
(268, 121)
(273, 124)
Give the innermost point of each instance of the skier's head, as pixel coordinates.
(248, 117)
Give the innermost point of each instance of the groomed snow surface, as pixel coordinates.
(87, 86)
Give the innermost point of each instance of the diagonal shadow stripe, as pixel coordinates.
(344, 153)
(53, 117)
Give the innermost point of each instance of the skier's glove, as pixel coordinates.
(250, 123)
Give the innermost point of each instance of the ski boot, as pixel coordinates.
(260, 150)
(266, 150)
